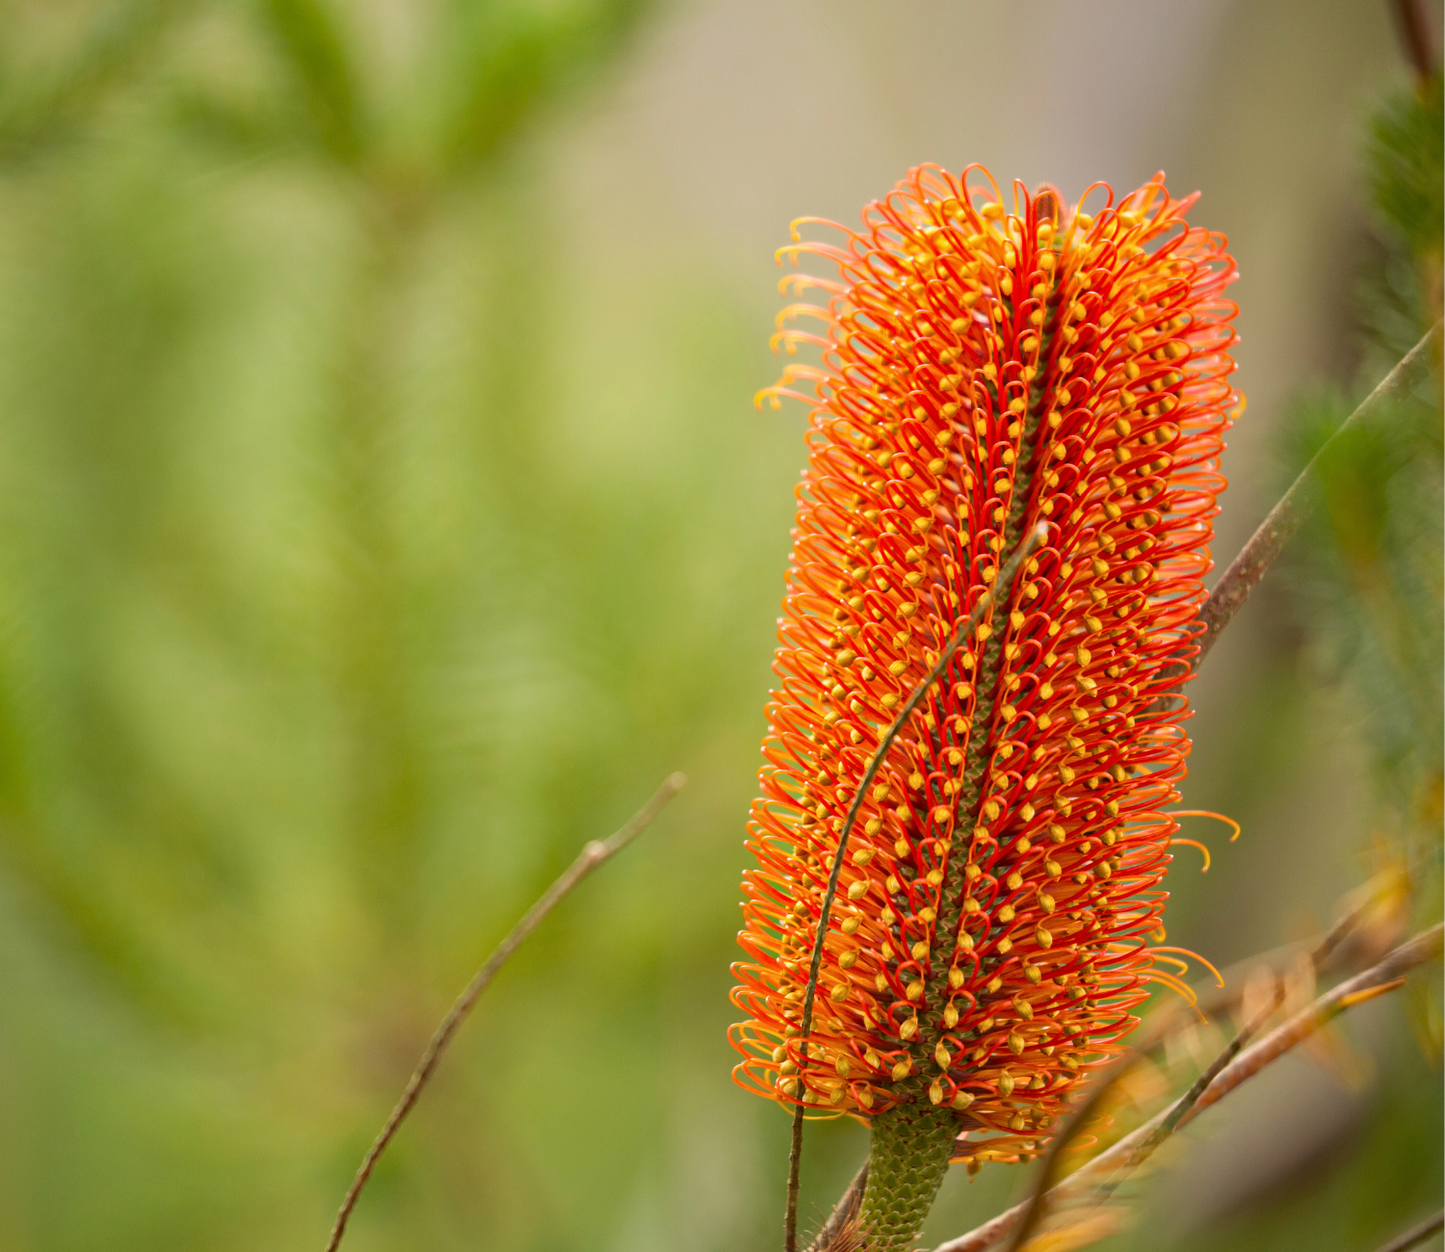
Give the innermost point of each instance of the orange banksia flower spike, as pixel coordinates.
(988, 370)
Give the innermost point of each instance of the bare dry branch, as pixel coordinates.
(591, 856)
(1038, 1202)
(1385, 976)
(1289, 514)
(1325, 949)
(1180, 1109)
(1277, 529)
(1153, 1033)
(1416, 1234)
(1414, 31)
(1110, 1167)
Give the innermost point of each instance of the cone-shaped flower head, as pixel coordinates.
(985, 368)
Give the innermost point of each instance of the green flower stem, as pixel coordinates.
(907, 1159)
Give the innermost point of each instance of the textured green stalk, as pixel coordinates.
(907, 1159)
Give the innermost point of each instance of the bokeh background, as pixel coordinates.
(383, 514)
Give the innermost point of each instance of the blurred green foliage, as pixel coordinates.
(1368, 574)
(1364, 583)
(358, 562)
(368, 541)
(1406, 174)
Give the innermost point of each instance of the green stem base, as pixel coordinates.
(907, 1159)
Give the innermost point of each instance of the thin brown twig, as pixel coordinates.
(1205, 1092)
(1295, 506)
(1321, 958)
(1319, 955)
(591, 856)
(1038, 1202)
(1285, 519)
(1339, 932)
(1416, 1234)
(1414, 31)
(1387, 975)
(1154, 1032)
(1110, 1166)
(999, 591)
(1180, 1109)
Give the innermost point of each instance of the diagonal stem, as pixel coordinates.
(1048, 1175)
(1388, 975)
(591, 856)
(1110, 1168)
(1416, 1235)
(999, 591)
(1414, 31)
(1176, 1114)
(1287, 516)
(1150, 1037)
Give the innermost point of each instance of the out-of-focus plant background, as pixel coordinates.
(383, 514)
